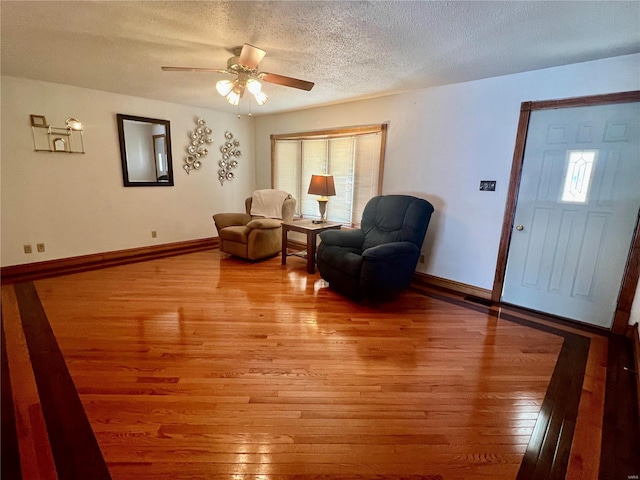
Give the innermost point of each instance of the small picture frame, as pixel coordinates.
(38, 121)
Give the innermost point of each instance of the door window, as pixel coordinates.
(578, 176)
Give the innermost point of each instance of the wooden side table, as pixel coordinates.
(311, 230)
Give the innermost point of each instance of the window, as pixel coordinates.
(354, 156)
(578, 175)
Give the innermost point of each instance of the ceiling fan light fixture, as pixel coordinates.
(233, 98)
(254, 86)
(224, 87)
(244, 65)
(261, 98)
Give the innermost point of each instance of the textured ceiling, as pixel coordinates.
(350, 49)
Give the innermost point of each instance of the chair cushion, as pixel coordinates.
(236, 234)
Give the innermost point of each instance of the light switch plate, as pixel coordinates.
(487, 185)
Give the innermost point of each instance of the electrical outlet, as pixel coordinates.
(40, 247)
(421, 258)
(154, 234)
(27, 249)
(487, 185)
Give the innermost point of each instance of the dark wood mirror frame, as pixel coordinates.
(162, 179)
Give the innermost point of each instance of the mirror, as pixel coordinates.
(145, 151)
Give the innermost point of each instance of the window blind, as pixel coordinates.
(287, 168)
(314, 162)
(354, 158)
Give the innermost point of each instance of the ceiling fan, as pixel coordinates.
(244, 64)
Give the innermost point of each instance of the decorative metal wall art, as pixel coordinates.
(47, 138)
(197, 149)
(230, 154)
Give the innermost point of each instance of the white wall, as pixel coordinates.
(77, 204)
(442, 141)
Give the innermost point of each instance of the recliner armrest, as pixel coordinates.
(388, 268)
(389, 251)
(343, 238)
(223, 220)
(264, 223)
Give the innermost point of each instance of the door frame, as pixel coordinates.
(632, 268)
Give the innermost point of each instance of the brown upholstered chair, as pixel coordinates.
(253, 237)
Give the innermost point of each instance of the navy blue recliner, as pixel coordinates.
(379, 259)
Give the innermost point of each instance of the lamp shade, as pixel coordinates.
(261, 98)
(233, 98)
(254, 86)
(224, 87)
(322, 185)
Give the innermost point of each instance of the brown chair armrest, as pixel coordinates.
(223, 220)
(265, 223)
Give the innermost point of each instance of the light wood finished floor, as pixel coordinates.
(202, 366)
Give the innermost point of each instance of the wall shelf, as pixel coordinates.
(47, 138)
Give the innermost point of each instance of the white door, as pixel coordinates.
(576, 211)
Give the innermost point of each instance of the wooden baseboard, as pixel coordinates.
(426, 280)
(633, 333)
(63, 266)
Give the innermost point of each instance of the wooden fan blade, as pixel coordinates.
(193, 69)
(251, 56)
(287, 81)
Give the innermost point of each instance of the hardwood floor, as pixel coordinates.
(202, 366)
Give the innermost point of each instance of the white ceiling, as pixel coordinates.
(350, 49)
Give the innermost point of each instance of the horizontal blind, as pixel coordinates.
(287, 168)
(314, 162)
(351, 155)
(367, 170)
(341, 163)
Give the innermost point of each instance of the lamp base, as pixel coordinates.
(322, 206)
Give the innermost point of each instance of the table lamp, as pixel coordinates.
(322, 185)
